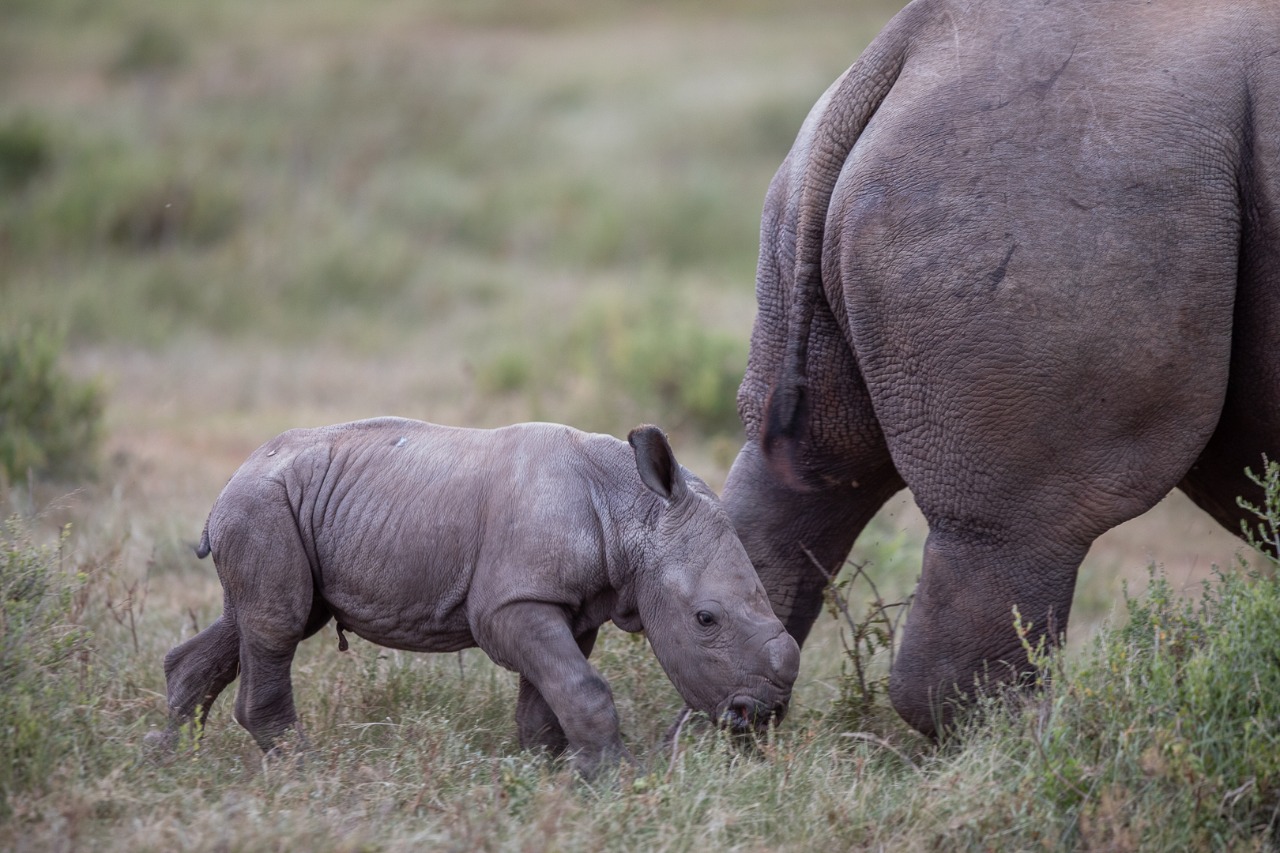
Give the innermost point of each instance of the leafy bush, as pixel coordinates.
(507, 372)
(50, 424)
(1164, 734)
(864, 682)
(1264, 534)
(625, 360)
(1179, 711)
(151, 215)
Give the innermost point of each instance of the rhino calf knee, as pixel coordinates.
(522, 541)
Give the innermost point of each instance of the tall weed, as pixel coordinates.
(44, 651)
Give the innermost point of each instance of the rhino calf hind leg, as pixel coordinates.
(264, 702)
(196, 672)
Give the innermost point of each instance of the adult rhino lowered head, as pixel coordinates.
(1023, 259)
(522, 541)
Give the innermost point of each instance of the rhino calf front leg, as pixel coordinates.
(568, 706)
(537, 723)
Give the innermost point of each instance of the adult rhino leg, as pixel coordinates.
(1250, 421)
(798, 536)
(959, 634)
(1012, 510)
(196, 672)
(535, 721)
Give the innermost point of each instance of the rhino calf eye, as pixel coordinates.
(705, 619)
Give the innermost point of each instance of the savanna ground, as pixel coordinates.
(241, 217)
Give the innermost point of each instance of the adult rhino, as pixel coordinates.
(522, 541)
(1024, 259)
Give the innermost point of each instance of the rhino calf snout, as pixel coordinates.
(757, 708)
(522, 541)
(746, 714)
(784, 657)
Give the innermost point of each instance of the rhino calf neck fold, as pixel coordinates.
(522, 541)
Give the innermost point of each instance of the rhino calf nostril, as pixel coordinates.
(744, 713)
(732, 716)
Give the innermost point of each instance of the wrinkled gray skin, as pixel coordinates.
(522, 541)
(1023, 258)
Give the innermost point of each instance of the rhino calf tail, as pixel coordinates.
(204, 549)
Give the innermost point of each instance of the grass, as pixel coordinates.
(1161, 735)
(251, 217)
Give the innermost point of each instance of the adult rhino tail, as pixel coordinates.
(827, 137)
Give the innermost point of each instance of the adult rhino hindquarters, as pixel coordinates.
(521, 540)
(1023, 258)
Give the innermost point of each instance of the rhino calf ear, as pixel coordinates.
(656, 463)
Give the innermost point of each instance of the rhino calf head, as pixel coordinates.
(521, 540)
(703, 607)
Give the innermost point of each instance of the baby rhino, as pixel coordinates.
(522, 541)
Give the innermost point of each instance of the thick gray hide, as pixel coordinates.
(1023, 259)
(521, 541)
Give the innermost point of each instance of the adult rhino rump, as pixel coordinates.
(1024, 259)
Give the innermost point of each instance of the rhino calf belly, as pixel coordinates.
(408, 637)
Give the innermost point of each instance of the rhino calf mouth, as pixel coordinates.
(743, 714)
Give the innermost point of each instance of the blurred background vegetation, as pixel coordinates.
(241, 217)
(552, 201)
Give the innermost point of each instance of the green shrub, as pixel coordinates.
(505, 373)
(679, 372)
(24, 153)
(1264, 535)
(150, 49)
(151, 214)
(108, 197)
(50, 424)
(867, 639)
(1166, 733)
(42, 649)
